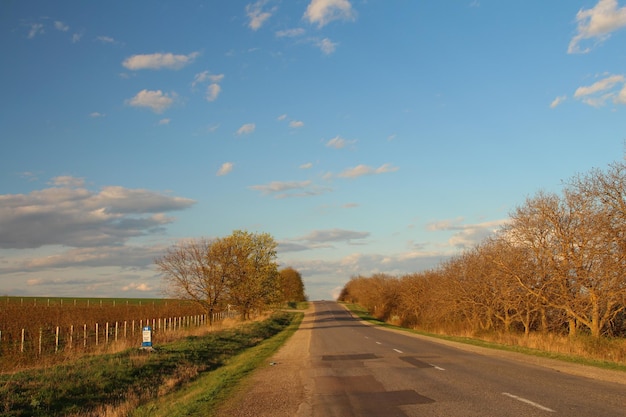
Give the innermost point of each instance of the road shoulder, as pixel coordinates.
(279, 388)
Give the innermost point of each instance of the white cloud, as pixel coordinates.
(621, 97)
(246, 129)
(71, 215)
(58, 25)
(290, 33)
(467, 235)
(557, 101)
(257, 15)
(361, 170)
(597, 23)
(284, 189)
(212, 91)
(339, 143)
(226, 168)
(333, 235)
(206, 76)
(281, 117)
(76, 37)
(164, 122)
(322, 12)
(155, 100)
(605, 90)
(326, 46)
(308, 165)
(35, 29)
(158, 61)
(296, 124)
(96, 114)
(105, 39)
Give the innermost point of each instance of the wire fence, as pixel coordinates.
(49, 339)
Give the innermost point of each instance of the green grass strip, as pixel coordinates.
(204, 396)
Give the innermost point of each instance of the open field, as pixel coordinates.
(39, 331)
(101, 384)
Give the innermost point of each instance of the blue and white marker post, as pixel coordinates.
(146, 342)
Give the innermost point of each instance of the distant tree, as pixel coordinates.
(291, 285)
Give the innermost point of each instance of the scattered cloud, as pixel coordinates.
(246, 129)
(296, 124)
(281, 117)
(35, 29)
(467, 235)
(159, 61)
(339, 143)
(290, 33)
(257, 15)
(326, 46)
(214, 89)
(69, 214)
(226, 168)
(308, 165)
(611, 88)
(285, 189)
(322, 12)
(105, 39)
(557, 101)
(155, 100)
(96, 114)
(597, 23)
(58, 25)
(333, 235)
(206, 76)
(361, 170)
(164, 122)
(76, 37)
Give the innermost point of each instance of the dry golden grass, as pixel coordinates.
(583, 346)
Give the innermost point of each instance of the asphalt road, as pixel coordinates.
(336, 365)
(355, 369)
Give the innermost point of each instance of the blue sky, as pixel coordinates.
(364, 135)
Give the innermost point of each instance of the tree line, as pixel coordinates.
(558, 265)
(238, 272)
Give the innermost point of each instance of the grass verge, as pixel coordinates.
(91, 385)
(204, 395)
(363, 314)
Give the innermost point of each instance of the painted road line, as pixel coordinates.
(524, 400)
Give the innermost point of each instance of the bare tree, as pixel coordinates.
(193, 272)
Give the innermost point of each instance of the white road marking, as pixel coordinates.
(524, 400)
(399, 351)
(437, 367)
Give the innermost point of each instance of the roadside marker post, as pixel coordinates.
(146, 342)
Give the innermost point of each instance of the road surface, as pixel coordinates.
(335, 365)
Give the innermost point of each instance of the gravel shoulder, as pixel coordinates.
(280, 388)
